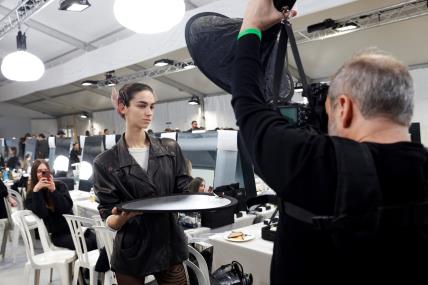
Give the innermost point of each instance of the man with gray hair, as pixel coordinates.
(363, 199)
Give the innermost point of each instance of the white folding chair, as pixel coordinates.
(107, 238)
(60, 259)
(9, 227)
(201, 271)
(86, 259)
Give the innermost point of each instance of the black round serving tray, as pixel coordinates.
(178, 203)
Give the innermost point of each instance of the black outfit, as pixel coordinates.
(13, 162)
(74, 156)
(55, 222)
(42, 149)
(148, 243)
(301, 168)
(3, 194)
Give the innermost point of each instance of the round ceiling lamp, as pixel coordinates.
(149, 16)
(22, 65)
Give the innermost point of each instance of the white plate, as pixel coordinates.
(247, 237)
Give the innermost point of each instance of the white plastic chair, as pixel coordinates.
(50, 258)
(201, 271)
(85, 259)
(9, 227)
(107, 238)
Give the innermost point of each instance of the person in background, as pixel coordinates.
(42, 147)
(75, 153)
(197, 185)
(106, 132)
(60, 134)
(140, 166)
(26, 163)
(13, 161)
(87, 133)
(49, 200)
(194, 127)
(21, 147)
(4, 193)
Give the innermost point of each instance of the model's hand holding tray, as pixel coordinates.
(178, 203)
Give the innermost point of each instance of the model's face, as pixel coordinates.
(139, 113)
(202, 187)
(40, 170)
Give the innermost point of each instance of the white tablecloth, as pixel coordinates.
(77, 195)
(254, 255)
(86, 208)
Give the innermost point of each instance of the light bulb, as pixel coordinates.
(85, 170)
(149, 16)
(61, 163)
(22, 66)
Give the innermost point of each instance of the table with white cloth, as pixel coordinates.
(254, 255)
(86, 208)
(78, 195)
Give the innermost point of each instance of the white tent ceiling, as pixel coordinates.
(78, 46)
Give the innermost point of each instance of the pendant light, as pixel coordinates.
(22, 65)
(149, 16)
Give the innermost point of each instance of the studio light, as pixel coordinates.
(111, 79)
(347, 27)
(84, 115)
(149, 16)
(89, 82)
(22, 65)
(61, 163)
(326, 24)
(163, 62)
(111, 82)
(298, 87)
(189, 66)
(194, 100)
(74, 5)
(85, 170)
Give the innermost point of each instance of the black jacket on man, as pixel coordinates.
(150, 242)
(301, 168)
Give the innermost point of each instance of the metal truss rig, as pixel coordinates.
(19, 14)
(375, 18)
(152, 72)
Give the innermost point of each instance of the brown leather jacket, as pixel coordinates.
(151, 242)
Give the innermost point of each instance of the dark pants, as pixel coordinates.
(66, 240)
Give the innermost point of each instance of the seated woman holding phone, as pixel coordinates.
(49, 200)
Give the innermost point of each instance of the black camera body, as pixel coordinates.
(312, 114)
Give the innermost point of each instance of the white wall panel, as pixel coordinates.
(45, 126)
(14, 127)
(420, 77)
(178, 113)
(219, 112)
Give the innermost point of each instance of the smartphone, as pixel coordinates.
(279, 4)
(47, 175)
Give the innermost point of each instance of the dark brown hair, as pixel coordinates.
(128, 91)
